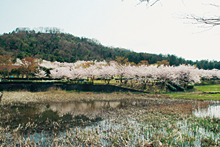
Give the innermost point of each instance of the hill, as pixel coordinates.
(54, 45)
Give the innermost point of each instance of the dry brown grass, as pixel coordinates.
(182, 107)
(57, 95)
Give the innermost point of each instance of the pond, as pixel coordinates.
(212, 111)
(128, 122)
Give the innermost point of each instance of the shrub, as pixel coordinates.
(178, 87)
(189, 86)
(170, 87)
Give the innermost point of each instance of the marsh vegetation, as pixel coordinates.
(58, 118)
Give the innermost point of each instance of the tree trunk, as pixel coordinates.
(92, 79)
(145, 85)
(27, 76)
(121, 78)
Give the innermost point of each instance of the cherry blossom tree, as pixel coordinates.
(121, 70)
(215, 73)
(149, 74)
(185, 75)
(60, 73)
(131, 72)
(40, 73)
(165, 73)
(144, 73)
(107, 72)
(91, 72)
(76, 73)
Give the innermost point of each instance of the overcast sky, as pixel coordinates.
(125, 24)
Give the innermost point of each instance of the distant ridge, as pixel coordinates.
(53, 45)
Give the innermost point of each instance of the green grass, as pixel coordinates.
(195, 96)
(103, 82)
(208, 88)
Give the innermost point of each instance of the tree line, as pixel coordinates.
(53, 45)
(143, 72)
(126, 72)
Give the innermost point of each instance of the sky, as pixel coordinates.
(159, 29)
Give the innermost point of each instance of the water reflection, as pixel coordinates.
(87, 113)
(211, 111)
(82, 107)
(95, 107)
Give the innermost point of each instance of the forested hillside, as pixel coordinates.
(53, 45)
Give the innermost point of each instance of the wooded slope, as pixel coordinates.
(54, 45)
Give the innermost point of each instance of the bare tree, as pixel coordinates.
(149, 2)
(212, 21)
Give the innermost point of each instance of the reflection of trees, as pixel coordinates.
(123, 104)
(106, 104)
(81, 107)
(92, 105)
(164, 106)
(178, 107)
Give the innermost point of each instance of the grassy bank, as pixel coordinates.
(196, 96)
(208, 88)
(66, 96)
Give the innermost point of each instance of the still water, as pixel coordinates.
(92, 108)
(213, 110)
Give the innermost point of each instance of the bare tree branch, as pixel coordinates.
(149, 2)
(203, 20)
(215, 5)
(213, 21)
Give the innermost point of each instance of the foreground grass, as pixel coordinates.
(162, 122)
(208, 88)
